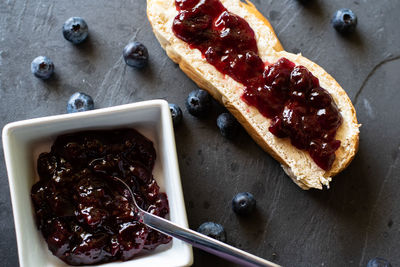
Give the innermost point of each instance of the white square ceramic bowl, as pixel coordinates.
(23, 141)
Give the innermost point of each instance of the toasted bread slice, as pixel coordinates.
(296, 163)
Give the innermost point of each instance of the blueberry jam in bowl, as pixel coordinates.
(87, 218)
(66, 161)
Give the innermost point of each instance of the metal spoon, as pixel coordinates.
(196, 239)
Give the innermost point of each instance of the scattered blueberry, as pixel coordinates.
(227, 124)
(344, 20)
(243, 203)
(136, 55)
(176, 114)
(75, 30)
(213, 230)
(42, 67)
(198, 103)
(378, 262)
(80, 102)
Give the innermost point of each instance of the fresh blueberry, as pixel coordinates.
(378, 262)
(80, 102)
(213, 230)
(176, 114)
(198, 103)
(227, 124)
(75, 30)
(344, 20)
(136, 55)
(42, 67)
(243, 203)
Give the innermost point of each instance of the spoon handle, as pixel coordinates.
(204, 242)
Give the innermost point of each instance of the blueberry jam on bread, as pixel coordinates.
(289, 95)
(288, 104)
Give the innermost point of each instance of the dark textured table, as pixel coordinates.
(357, 219)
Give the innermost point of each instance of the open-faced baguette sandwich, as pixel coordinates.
(289, 105)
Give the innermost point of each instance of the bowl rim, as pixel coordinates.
(166, 129)
(86, 114)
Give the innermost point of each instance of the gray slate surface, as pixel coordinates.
(357, 219)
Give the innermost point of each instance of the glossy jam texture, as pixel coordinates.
(289, 95)
(84, 216)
